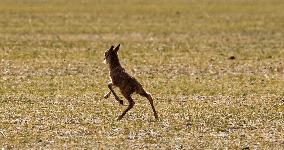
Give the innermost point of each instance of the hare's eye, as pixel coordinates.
(106, 55)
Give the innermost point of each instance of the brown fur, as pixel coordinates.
(125, 82)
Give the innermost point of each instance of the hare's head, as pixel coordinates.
(110, 54)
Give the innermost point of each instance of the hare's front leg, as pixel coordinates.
(107, 95)
(112, 91)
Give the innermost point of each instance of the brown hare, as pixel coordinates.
(125, 82)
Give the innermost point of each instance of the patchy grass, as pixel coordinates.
(53, 80)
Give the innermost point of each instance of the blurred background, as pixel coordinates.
(214, 68)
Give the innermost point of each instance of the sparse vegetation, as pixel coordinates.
(215, 69)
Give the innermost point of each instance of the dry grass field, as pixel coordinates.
(214, 67)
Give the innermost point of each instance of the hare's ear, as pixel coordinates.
(117, 48)
(111, 48)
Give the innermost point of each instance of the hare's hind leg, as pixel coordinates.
(112, 91)
(143, 93)
(130, 105)
(149, 97)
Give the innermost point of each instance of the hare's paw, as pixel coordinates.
(106, 95)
